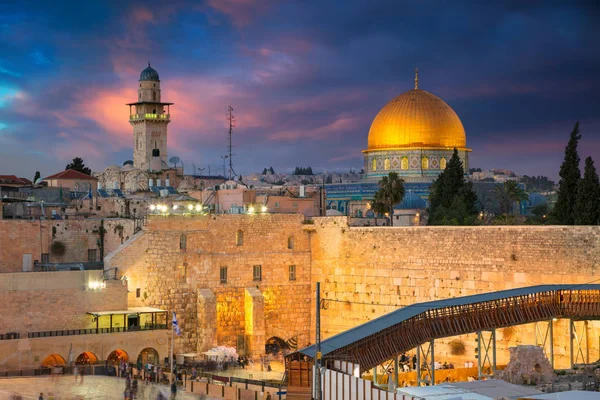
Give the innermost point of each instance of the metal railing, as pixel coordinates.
(94, 331)
(10, 336)
(137, 117)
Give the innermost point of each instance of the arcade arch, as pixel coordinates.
(53, 359)
(148, 356)
(118, 355)
(87, 357)
(276, 345)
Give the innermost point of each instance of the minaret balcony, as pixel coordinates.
(141, 117)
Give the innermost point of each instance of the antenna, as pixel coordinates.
(231, 119)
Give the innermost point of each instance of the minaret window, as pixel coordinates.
(155, 153)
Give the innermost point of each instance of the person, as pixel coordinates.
(81, 371)
(405, 367)
(268, 396)
(76, 372)
(41, 396)
(134, 388)
(269, 369)
(403, 359)
(173, 390)
(414, 361)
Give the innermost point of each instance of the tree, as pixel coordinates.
(174, 160)
(508, 194)
(264, 171)
(564, 209)
(390, 193)
(271, 170)
(78, 165)
(587, 205)
(378, 205)
(36, 177)
(451, 197)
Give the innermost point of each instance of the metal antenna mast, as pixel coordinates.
(231, 120)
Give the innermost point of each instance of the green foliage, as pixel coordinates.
(303, 171)
(390, 193)
(587, 206)
(508, 194)
(57, 248)
(564, 209)
(78, 165)
(538, 183)
(451, 197)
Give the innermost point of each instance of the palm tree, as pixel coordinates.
(508, 194)
(378, 206)
(391, 192)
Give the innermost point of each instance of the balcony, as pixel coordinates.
(94, 331)
(157, 117)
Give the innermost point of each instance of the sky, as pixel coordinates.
(305, 78)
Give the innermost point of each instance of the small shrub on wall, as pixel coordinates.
(457, 347)
(57, 248)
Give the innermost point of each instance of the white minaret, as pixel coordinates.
(149, 118)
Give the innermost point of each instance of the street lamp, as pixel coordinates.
(263, 209)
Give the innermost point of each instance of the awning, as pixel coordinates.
(132, 310)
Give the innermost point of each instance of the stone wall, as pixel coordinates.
(19, 237)
(162, 274)
(43, 301)
(367, 272)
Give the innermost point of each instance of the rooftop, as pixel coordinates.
(70, 174)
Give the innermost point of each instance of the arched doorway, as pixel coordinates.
(148, 356)
(116, 356)
(86, 357)
(276, 345)
(53, 359)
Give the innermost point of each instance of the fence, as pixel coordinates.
(93, 331)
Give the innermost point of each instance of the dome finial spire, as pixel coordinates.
(416, 78)
(148, 63)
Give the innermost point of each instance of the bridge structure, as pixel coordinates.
(419, 325)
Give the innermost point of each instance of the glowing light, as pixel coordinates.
(153, 207)
(263, 209)
(175, 207)
(418, 215)
(95, 285)
(198, 207)
(190, 207)
(250, 210)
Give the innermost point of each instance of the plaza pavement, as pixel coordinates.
(93, 388)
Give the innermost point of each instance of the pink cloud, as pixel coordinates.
(63, 121)
(340, 125)
(240, 12)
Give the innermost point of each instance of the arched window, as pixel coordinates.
(182, 243)
(424, 163)
(374, 165)
(404, 163)
(443, 163)
(291, 242)
(386, 164)
(359, 213)
(239, 238)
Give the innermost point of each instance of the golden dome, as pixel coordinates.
(416, 119)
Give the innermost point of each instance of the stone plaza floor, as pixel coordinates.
(93, 388)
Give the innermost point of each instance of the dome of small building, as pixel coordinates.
(536, 199)
(149, 74)
(411, 201)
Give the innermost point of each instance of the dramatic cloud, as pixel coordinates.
(305, 79)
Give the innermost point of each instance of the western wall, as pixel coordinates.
(367, 272)
(364, 272)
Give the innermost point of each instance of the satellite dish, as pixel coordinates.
(38, 181)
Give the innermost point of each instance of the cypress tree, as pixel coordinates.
(451, 197)
(564, 209)
(587, 207)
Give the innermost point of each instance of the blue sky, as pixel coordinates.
(305, 78)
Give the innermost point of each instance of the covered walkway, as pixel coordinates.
(393, 334)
